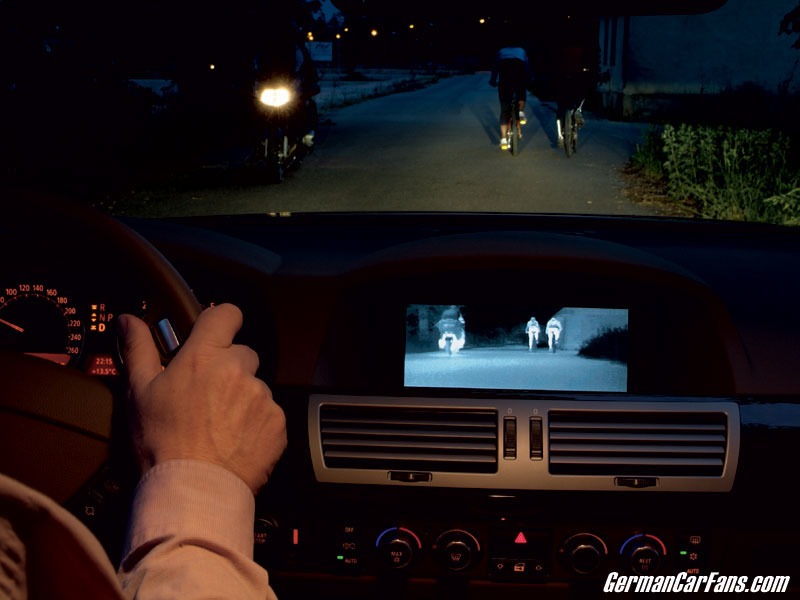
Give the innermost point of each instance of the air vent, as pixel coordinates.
(406, 438)
(682, 445)
(657, 443)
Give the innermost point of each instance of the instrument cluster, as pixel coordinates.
(41, 317)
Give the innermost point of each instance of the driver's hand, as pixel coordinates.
(207, 405)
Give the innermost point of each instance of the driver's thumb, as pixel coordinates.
(138, 351)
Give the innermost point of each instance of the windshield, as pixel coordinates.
(178, 109)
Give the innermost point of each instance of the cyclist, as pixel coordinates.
(286, 56)
(553, 330)
(451, 326)
(511, 73)
(532, 329)
(575, 79)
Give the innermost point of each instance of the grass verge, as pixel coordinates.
(720, 172)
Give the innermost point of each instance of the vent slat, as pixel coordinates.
(635, 460)
(456, 458)
(623, 448)
(410, 444)
(416, 438)
(484, 435)
(657, 443)
(638, 426)
(638, 437)
(408, 422)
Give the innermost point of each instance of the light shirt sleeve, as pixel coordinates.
(45, 552)
(190, 536)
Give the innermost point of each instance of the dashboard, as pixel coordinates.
(474, 457)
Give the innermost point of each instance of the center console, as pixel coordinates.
(571, 416)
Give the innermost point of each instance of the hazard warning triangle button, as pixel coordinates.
(520, 539)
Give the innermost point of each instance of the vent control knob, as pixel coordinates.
(644, 553)
(397, 546)
(456, 550)
(583, 553)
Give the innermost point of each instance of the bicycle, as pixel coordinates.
(573, 120)
(514, 125)
(513, 73)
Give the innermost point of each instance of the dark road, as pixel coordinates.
(513, 367)
(434, 149)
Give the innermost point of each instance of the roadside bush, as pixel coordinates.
(649, 156)
(724, 172)
(611, 344)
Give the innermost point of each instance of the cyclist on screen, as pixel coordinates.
(511, 73)
(451, 330)
(532, 329)
(553, 330)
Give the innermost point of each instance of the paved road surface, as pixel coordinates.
(435, 149)
(513, 367)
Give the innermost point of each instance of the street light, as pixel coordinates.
(411, 26)
(374, 33)
(482, 21)
(338, 36)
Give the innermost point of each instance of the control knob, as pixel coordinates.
(266, 540)
(583, 553)
(396, 547)
(456, 550)
(644, 553)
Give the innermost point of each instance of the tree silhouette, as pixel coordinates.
(790, 25)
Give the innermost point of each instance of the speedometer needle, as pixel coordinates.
(17, 327)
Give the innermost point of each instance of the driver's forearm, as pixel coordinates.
(191, 536)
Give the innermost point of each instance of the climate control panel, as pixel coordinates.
(517, 552)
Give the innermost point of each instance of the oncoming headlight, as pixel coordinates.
(275, 96)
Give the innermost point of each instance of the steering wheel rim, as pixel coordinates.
(59, 402)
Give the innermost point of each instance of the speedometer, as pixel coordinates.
(40, 320)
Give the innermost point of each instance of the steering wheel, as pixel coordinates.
(56, 422)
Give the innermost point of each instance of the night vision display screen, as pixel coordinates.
(555, 348)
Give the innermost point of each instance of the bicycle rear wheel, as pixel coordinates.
(514, 129)
(568, 133)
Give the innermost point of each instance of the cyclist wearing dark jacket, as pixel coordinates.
(511, 73)
(576, 78)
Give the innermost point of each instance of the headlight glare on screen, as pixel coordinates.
(275, 96)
